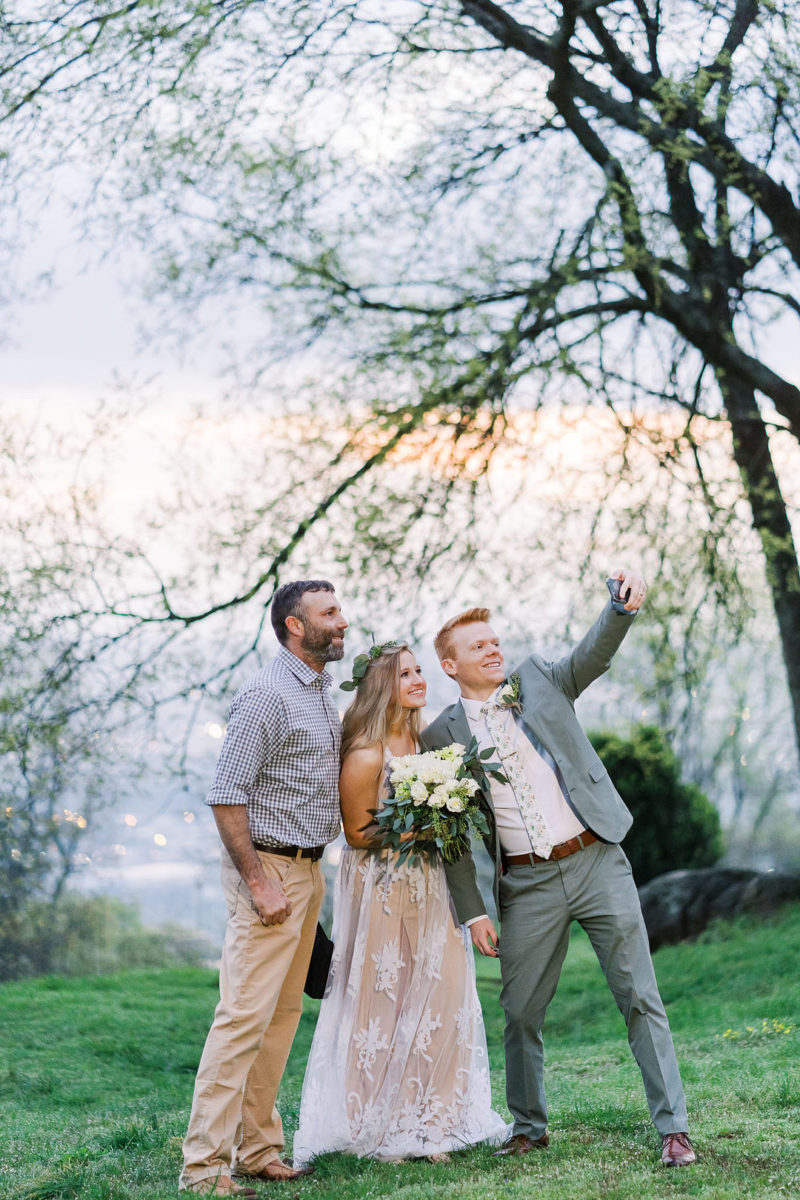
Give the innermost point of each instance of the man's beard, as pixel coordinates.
(319, 644)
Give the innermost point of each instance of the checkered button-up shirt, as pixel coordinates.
(280, 756)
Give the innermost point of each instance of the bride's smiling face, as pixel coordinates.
(413, 687)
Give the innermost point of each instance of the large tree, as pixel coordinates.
(452, 208)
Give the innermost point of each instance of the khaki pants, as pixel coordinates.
(261, 981)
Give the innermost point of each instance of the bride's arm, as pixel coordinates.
(359, 781)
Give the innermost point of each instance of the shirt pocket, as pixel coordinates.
(310, 741)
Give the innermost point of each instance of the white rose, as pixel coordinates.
(455, 804)
(419, 793)
(438, 797)
(402, 768)
(433, 773)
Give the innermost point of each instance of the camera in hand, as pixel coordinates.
(618, 601)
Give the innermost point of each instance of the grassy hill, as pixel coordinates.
(96, 1078)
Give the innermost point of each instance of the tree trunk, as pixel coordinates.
(770, 519)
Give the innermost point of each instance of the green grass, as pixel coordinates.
(96, 1078)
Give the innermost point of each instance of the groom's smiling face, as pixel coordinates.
(476, 662)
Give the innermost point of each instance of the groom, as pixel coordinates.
(554, 832)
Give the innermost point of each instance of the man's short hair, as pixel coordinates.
(443, 642)
(288, 602)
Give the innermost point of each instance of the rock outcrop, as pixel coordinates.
(681, 904)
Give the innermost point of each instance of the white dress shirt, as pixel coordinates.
(561, 821)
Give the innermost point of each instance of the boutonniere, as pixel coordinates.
(510, 695)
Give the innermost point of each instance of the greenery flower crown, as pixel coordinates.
(362, 661)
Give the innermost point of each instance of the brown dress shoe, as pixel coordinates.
(520, 1144)
(274, 1171)
(221, 1185)
(677, 1150)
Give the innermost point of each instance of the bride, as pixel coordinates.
(398, 1066)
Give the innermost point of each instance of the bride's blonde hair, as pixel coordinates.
(377, 706)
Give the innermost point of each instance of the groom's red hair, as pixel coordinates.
(443, 644)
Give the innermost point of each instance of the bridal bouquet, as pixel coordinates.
(434, 800)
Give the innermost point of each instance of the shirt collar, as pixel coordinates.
(303, 671)
(473, 707)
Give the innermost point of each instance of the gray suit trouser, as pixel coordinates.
(537, 905)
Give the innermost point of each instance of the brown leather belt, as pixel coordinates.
(312, 852)
(562, 850)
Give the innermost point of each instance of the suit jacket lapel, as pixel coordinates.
(458, 724)
(528, 716)
(530, 727)
(460, 732)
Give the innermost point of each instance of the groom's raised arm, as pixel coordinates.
(593, 654)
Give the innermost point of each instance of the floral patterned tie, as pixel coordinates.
(535, 823)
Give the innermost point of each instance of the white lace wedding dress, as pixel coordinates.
(398, 1065)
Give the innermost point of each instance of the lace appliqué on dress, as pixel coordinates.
(370, 1042)
(398, 1066)
(388, 964)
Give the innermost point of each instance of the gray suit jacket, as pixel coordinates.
(548, 694)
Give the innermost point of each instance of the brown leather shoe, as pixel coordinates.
(221, 1185)
(274, 1171)
(521, 1144)
(677, 1150)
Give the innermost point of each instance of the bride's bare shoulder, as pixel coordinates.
(364, 758)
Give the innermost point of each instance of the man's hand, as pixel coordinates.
(632, 588)
(484, 937)
(269, 899)
(270, 902)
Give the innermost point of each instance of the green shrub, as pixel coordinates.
(674, 824)
(93, 935)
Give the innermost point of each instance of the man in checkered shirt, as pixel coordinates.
(275, 800)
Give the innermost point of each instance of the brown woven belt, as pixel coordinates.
(562, 850)
(312, 852)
